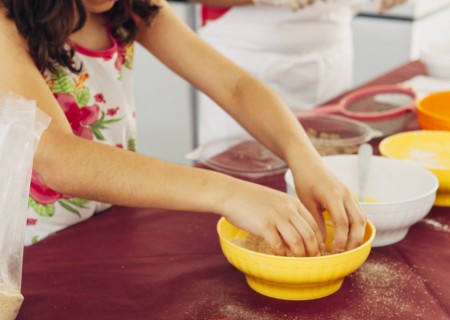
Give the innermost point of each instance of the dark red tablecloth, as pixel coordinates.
(162, 265)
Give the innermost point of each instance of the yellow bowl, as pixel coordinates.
(433, 111)
(292, 278)
(428, 148)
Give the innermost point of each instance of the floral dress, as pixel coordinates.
(99, 105)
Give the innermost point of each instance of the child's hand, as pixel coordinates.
(320, 190)
(277, 217)
(384, 5)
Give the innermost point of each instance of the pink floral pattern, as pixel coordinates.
(86, 113)
(40, 193)
(99, 98)
(112, 111)
(121, 56)
(31, 221)
(79, 118)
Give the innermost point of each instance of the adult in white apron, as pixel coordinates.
(305, 55)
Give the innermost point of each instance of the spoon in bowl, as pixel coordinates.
(365, 152)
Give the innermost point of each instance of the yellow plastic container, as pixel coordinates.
(433, 111)
(428, 148)
(293, 278)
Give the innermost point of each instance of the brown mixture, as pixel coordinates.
(257, 244)
(327, 145)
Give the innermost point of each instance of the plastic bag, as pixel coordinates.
(21, 126)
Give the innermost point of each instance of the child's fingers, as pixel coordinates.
(311, 224)
(310, 234)
(357, 225)
(340, 220)
(273, 238)
(293, 239)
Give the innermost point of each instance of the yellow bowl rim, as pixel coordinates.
(382, 146)
(285, 258)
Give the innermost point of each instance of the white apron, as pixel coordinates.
(305, 55)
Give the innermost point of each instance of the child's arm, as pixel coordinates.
(86, 169)
(261, 113)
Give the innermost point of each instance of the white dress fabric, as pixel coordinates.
(304, 55)
(99, 105)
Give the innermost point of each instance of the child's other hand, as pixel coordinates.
(320, 190)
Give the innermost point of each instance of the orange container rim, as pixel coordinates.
(423, 108)
(432, 120)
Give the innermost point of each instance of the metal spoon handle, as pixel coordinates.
(364, 156)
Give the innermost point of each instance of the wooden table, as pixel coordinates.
(154, 264)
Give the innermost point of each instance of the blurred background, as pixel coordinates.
(166, 104)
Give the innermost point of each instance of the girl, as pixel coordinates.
(74, 58)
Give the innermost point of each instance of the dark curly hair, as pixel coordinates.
(47, 24)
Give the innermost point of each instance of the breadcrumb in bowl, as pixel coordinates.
(292, 278)
(331, 134)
